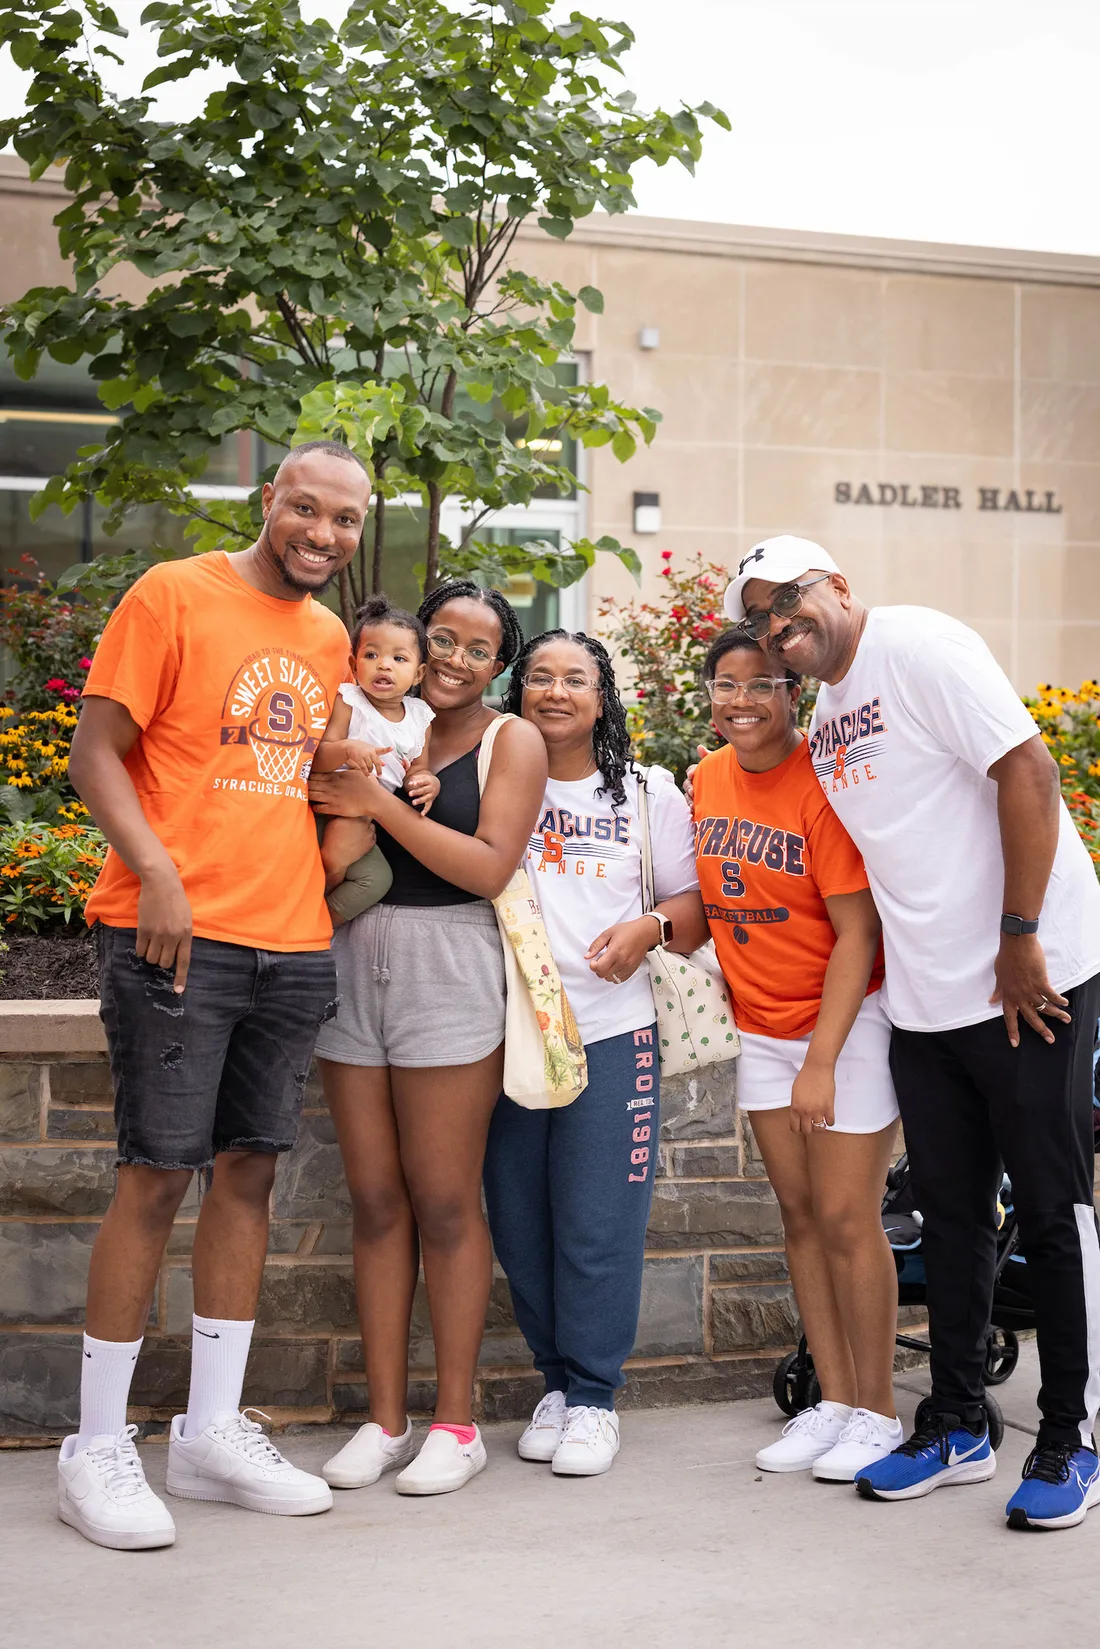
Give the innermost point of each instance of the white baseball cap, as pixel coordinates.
(782, 560)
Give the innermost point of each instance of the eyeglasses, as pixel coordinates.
(758, 690)
(785, 604)
(541, 682)
(444, 647)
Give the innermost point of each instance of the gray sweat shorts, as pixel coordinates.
(419, 986)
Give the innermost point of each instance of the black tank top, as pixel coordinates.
(457, 806)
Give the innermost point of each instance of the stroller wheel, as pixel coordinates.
(794, 1385)
(1002, 1353)
(994, 1418)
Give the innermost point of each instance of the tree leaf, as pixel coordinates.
(592, 299)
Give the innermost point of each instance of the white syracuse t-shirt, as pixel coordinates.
(406, 736)
(902, 747)
(585, 864)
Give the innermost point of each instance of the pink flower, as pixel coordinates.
(666, 555)
(85, 664)
(56, 684)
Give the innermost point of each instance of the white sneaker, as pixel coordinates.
(368, 1454)
(234, 1460)
(544, 1430)
(865, 1439)
(805, 1439)
(443, 1464)
(102, 1491)
(589, 1443)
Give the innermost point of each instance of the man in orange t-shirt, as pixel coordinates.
(208, 694)
(798, 937)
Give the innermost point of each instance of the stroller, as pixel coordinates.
(795, 1385)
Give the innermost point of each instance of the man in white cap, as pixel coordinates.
(991, 921)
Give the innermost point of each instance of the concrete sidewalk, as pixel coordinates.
(682, 1543)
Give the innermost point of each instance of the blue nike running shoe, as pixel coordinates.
(1061, 1481)
(940, 1451)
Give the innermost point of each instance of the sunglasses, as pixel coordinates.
(786, 603)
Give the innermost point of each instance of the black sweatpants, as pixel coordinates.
(970, 1102)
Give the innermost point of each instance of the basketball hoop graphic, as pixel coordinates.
(277, 754)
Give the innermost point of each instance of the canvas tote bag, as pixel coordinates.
(544, 1061)
(694, 1015)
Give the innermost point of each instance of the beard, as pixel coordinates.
(300, 586)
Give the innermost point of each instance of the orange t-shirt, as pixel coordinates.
(769, 851)
(232, 690)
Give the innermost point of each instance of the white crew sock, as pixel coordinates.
(106, 1370)
(219, 1352)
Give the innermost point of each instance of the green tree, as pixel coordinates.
(334, 230)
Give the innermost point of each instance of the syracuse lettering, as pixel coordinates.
(746, 841)
(842, 731)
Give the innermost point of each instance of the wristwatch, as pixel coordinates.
(665, 926)
(1017, 925)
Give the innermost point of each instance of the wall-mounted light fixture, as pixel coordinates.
(647, 512)
(649, 337)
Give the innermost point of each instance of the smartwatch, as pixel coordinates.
(665, 926)
(1017, 925)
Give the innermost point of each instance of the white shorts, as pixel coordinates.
(865, 1099)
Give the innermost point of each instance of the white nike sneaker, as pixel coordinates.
(866, 1438)
(234, 1460)
(368, 1454)
(805, 1439)
(589, 1443)
(443, 1464)
(544, 1429)
(101, 1490)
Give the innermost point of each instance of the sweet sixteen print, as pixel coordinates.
(272, 719)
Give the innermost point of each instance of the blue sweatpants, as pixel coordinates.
(568, 1194)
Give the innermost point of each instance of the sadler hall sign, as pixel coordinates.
(907, 497)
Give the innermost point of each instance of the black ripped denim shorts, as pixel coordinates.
(220, 1067)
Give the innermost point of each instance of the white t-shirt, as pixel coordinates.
(406, 736)
(585, 864)
(902, 747)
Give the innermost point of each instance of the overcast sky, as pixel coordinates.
(949, 120)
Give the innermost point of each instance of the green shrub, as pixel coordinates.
(47, 872)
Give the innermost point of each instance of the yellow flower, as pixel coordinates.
(1067, 761)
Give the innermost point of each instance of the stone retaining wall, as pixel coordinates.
(717, 1311)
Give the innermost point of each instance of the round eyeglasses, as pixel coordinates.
(444, 647)
(758, 689)
(786, 602)
(541, 681)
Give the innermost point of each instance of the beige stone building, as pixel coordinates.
(930, 413)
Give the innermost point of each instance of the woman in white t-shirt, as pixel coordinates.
(568, 1191)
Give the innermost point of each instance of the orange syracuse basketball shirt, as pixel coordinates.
(770, 850)
(232, 690)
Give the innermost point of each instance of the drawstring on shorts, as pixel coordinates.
(380, 971)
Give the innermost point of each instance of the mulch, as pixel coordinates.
(60, 963)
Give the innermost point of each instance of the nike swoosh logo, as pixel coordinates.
(955, 1459)
(206, 1336)
(87, 1354)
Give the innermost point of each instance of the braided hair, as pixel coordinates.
(610, 738)
(464, 589)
